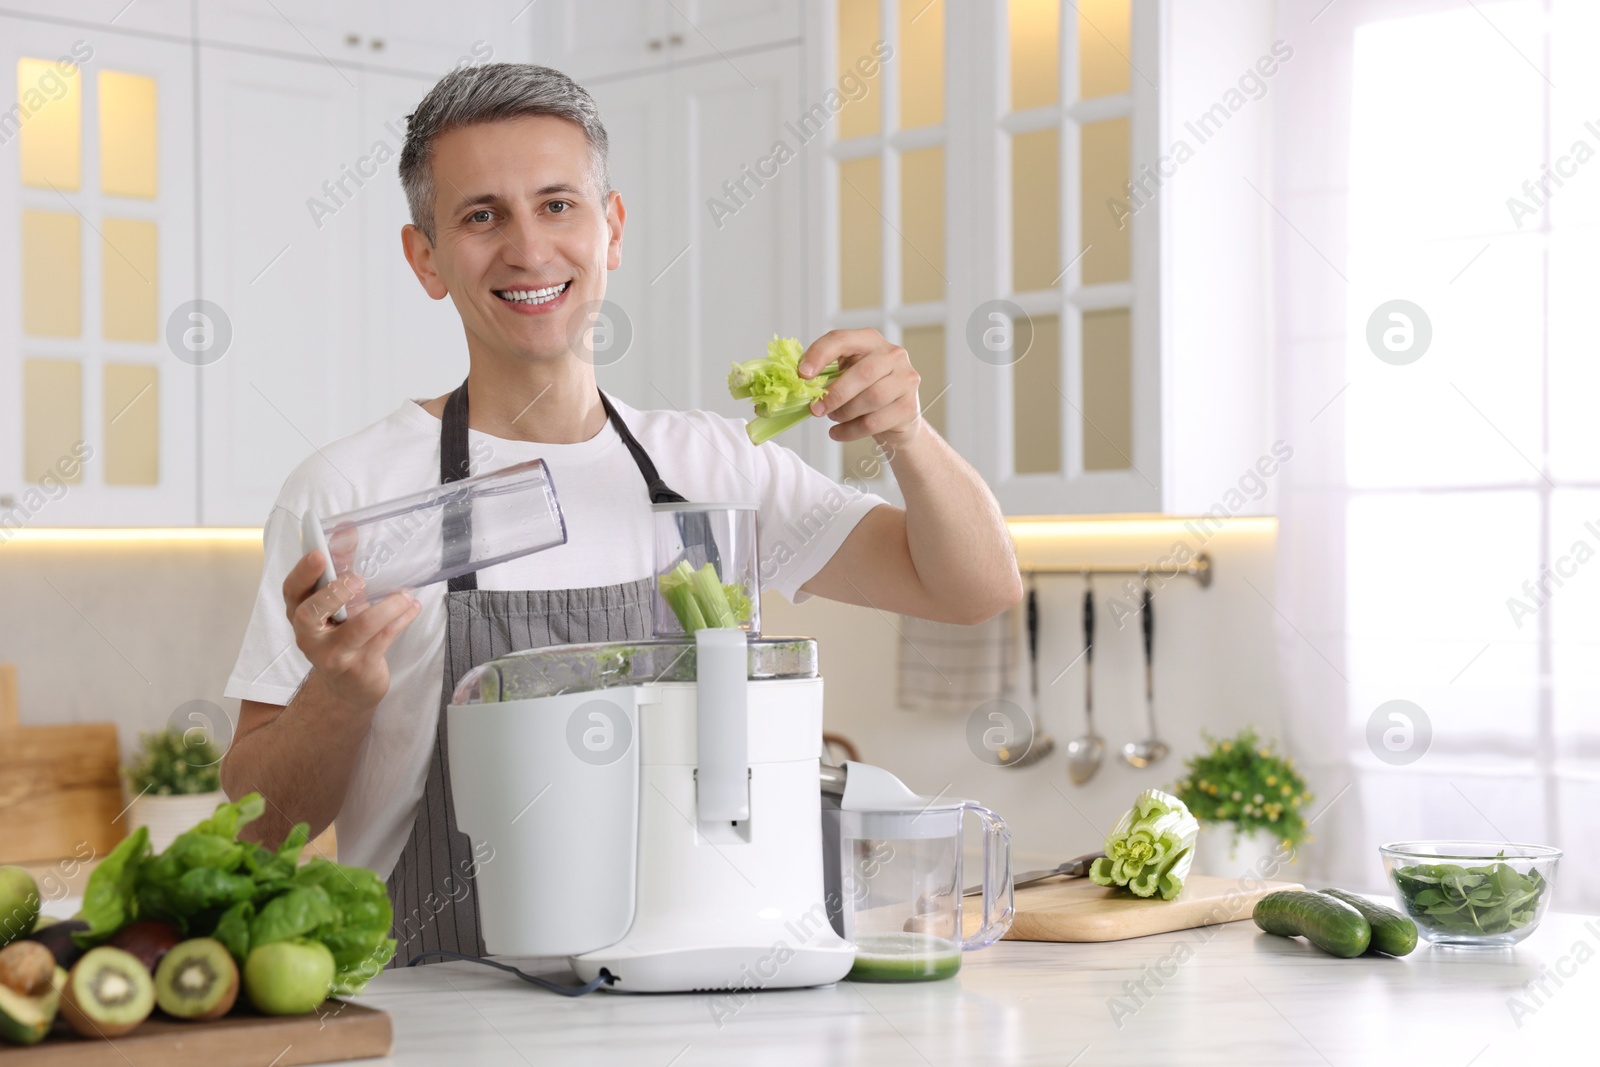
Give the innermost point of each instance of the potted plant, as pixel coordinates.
(174, 782)
(1249, 801)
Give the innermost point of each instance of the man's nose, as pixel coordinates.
(523, 245)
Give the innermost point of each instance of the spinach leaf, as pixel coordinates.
(233, 930)
(108, 896)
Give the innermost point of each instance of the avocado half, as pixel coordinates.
(26, 1020)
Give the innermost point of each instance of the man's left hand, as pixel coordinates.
(875, 394)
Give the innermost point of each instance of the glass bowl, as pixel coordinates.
(1472, 894)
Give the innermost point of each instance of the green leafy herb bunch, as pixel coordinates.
(1242, 780)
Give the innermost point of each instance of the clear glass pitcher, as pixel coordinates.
(901, 889)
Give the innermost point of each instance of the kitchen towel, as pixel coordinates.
(953, 669)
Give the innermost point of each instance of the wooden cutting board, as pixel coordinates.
(1076, 909)
(339, 1031)
(59, 791)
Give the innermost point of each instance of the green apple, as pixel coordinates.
(288, 977)
(19, 903)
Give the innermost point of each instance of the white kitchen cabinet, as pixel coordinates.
(602, 40)
(702, 288)
(171, 18)
(95, 267)
(411, 345)
(272, 133)
(420, 36)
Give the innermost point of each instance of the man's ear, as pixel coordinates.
(419, 253)
(616, 215)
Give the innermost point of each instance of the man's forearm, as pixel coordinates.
(301, 761)
(955, 531)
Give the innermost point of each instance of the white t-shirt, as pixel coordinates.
(803, 517)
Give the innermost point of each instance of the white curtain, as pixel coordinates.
(1436, 544)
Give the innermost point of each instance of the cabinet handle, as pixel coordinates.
(675, 39)
(352, 40)
(654, 44)
(377, 44)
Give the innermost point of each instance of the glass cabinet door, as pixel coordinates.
(985, 207)
(98, 185)
(887, 164)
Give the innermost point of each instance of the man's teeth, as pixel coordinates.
(533, 296)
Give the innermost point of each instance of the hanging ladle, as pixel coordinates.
(1085, 753)
(1152, 749)
(1041, 744)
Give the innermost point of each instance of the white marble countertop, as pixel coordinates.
(1231, 995)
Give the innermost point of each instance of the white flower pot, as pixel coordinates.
(167, 817)
(1222, 853)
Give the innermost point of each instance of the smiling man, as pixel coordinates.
(513, 219)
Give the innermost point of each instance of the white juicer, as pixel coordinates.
(651, 809)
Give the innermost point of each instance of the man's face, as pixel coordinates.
(522, 239)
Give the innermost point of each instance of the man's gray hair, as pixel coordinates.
(493, 92)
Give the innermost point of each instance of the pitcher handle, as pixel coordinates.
(999, 902)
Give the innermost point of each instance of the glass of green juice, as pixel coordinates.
(901, 887)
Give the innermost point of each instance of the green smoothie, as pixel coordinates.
(904, 957)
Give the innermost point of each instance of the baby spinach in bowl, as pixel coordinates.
(1481, 894)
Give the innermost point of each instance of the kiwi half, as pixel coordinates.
(108, 993)
(197, 979)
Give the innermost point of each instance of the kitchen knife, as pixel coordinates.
(1073, 868)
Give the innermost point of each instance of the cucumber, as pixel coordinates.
(1391, 932)
(1332, 925)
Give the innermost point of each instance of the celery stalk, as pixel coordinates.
(1151, 849)
(679, 595)
(782, 398)
(707, 586)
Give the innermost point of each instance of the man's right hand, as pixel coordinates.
(347, 658)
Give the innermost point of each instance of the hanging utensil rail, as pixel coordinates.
(1198, 568)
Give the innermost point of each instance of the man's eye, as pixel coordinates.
(485, 215)
(559, 206)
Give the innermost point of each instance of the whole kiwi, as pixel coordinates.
(197, 979)
(108, 993)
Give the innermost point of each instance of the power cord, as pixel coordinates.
(605, 978)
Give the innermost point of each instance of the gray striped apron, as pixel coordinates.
(432, 887)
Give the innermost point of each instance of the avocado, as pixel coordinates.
(26, 1020)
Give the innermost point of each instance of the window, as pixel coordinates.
(1440, 524)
